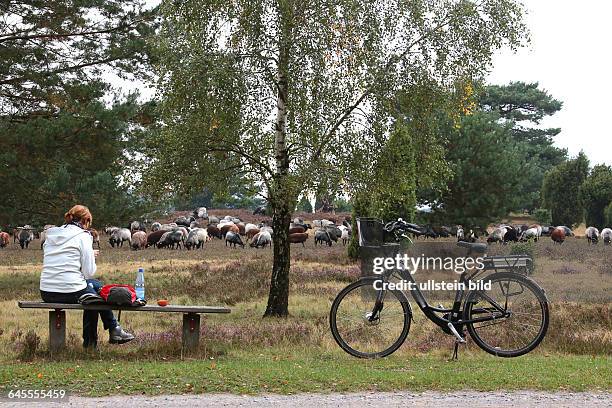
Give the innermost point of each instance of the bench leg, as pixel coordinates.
(191, 331)
(57, 330)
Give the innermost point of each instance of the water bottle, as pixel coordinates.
(140, 284)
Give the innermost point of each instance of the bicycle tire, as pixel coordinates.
(524, 282)
(344, 344)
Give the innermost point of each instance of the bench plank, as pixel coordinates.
(147, 308)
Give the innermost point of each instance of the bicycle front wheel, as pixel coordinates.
(369, 323)
(511, 314)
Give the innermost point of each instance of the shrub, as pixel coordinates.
(524, 248)
(543, 216)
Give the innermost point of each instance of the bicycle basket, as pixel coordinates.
(371, 233)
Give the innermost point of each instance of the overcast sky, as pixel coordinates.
(569, 56)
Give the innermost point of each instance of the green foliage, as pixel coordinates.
(561, 191)
(608, 215)
(342, 205)
(62, 143)
(289, 93)
(304, 205)
(486, 163)
(596, 194)
(525, 105)
(543, 216)
(525, 248)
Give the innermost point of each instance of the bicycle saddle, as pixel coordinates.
(476, 247)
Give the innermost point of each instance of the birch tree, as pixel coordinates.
(284, 91)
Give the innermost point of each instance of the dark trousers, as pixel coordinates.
(90, 317)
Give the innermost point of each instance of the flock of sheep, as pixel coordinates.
(190, 232)
(508, 233)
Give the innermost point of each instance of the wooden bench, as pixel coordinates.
(57, 319)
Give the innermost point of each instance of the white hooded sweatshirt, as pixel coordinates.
(68, 259)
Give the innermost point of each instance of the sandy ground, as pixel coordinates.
(498, 399)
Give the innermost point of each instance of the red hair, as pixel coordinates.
(79, 213)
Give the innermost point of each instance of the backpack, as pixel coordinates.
(121, 295)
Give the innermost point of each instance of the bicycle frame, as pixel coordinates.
(455, 317)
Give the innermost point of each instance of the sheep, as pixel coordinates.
(321, 236)
(194, 224)
(322, 223)
(261, 240)
(233, 238)
(137, 226)
(200, 212)
(213, 220)
(168, 227)
(345, 234)
(538, 228)
(592, 235)
(25, 236)
(156, 226)
(229, 228)
(530, 233)
(511, 234)
(249, 227)
(241, 228)
(154, 237)
(119, 236)
(183, 231)
(108, 230)
(266, 228)
(196, 238)
(251, 233)
(298, 238)
(568, 232)
(606, 236)
(139, 240)
(184, 221)
(235, 220)
(334, 232)
(4, 239)
(497, 235)
(95, 236)
(171, 239)
(297, 230)
(470, 237)
(43, 235)
(213, 231)
(460, 235)
(558, 235)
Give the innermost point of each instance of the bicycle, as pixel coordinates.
(368, 319)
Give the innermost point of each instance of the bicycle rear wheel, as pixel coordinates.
(364, 329)
(513, 312)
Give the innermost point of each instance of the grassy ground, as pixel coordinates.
(241, 352)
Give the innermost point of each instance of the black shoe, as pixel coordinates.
(119, 336)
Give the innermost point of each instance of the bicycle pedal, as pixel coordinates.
(458, 337)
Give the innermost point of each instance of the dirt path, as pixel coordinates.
(498, 399)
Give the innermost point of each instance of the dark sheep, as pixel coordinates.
(322, 236)
(298, 238)
(171, 239)
(233, 239)
(154, 237)
(213, 231)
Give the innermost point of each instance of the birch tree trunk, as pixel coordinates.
(282, 195)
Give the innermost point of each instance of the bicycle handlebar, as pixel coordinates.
(402, 226)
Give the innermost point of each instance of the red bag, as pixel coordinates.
(123, 295)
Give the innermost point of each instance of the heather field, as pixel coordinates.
(259, 354)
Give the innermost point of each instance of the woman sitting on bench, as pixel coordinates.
(68, 268)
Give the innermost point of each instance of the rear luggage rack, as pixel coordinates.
(504, 263)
